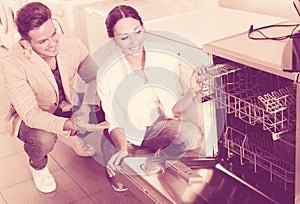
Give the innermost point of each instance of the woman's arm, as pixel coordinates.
(183, 103)
(189, 97)
(119, 139)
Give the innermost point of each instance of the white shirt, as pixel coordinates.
(131, 103)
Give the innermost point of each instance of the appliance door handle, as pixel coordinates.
(224, 170)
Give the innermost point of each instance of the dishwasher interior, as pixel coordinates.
(257, 142)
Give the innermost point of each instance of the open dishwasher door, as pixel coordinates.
(190, 180)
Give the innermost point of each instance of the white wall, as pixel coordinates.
(279, 8)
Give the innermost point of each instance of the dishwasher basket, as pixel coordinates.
(260, 100)
(253, 96)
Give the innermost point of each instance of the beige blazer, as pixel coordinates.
(29, 90)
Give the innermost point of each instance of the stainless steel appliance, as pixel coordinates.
(257, 156)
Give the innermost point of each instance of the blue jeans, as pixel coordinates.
(172, 138)
(37, 145)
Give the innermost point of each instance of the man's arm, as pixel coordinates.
(23, 99)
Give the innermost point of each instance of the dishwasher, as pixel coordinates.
(254, 160)
(258, 143)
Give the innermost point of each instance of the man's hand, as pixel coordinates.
(69, 126)
(81, 121)
(116, 160)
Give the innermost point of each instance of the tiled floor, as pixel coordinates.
(79, 180)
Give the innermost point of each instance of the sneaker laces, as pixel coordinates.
(42, 174)
(82, 143)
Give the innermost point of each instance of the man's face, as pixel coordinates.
(44, 40)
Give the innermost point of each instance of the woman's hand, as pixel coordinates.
(116, 160)
(196, 83)
(81, 121)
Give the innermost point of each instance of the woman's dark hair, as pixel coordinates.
(31, 16)
(117, 13)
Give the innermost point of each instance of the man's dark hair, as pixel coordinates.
(31, 16)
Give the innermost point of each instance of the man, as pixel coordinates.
(39, 74)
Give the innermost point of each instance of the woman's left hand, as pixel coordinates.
(196, 83)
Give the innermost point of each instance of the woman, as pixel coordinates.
(141, 96)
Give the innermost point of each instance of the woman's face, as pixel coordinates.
(129, 35)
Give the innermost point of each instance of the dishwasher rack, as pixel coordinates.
(261, 101)
(244, 93)
(276, 157)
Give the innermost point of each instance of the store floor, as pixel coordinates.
(79, 180)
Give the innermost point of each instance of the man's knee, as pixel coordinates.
(42, 140)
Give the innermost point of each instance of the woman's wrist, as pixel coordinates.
(191, 94)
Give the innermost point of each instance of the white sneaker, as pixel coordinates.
(43, 180)
(79, 146)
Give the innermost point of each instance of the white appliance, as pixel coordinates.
(8, 32)
(280, 8)
(210, 22)
(68, 16)
(95, 19)
(149, 10)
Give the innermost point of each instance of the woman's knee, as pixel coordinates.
(187, 129)
(191, 134)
